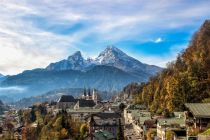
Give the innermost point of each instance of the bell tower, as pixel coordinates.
(94, 96)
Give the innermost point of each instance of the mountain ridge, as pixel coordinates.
(111, 56)
(116, 70)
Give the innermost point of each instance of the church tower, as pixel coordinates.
(89, 96)
(84, 94)
(94, 96)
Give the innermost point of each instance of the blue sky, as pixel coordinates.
(34, 33)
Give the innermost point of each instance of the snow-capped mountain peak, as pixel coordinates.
(73, 62)
(110, 55)
(77, 56)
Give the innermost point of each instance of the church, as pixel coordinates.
(88, 96)
(87, 100)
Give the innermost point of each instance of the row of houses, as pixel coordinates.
(181, 124)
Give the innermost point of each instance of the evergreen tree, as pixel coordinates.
(120, 133)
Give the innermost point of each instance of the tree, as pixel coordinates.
(122, 106)
(151, 134)
(170, 135)
(185, 80)
(32, 114)
(64, 133)
(84, 130)
(120, 133)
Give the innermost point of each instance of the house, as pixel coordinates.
(175, 124)
(131, 110)
(137, 115)
(107, 121)
(82, 113)
(198, 115)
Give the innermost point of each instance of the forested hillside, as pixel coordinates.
(185, 80)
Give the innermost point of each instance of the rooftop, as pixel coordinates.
(86, 103)
(66, 98)
(83, 110)
(106, 115)
(103, 135)
(199, 109)
(178, 119)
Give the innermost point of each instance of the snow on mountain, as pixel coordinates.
(73, 62)
(111, 56)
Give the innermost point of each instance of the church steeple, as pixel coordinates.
(84, 93)
(89, 94)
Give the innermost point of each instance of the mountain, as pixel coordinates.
(2, 77)
(39, 81)
(51, 96)
(74, 62)
(110, 71)
(111, 56)
(186, 80)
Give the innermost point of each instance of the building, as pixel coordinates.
(175, 124)
(86, 100)
(88, 96)
(66, 101)
(81, 103)
(79, 109)
(198, 115)
(139, 118)
(104, 121)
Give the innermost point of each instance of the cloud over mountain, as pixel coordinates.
(36, 33)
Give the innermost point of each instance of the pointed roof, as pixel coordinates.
(84, 94)
(89, 94)
(66, 98)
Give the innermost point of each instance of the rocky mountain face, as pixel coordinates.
(111, 56)
(110, 71)
(2, 77)
(74, 62)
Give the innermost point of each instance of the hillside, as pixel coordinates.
(3, 108)
(37, 82)
(185, 80)
(110, 71)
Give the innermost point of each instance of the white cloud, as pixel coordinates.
(25, 45)
(158, 40)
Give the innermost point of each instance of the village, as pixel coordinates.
(105, 118)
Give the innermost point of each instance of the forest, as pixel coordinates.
(185, 80)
